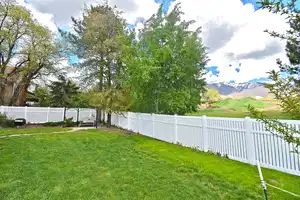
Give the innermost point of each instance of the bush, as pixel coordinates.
(6, 122)
(53, 124)
(67, 123)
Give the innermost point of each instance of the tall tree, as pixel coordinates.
(98, 40)
(27, 50)
(63, 93)
(166, 65)
(15, 24)
(286, 90)
(41, 55)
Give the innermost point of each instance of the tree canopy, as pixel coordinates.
(63, 92)
(98, 39)
(166, 65)
(158, 69)
(27, 50)
(211, 96)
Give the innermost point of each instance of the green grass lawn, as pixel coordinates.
(272, 114)
(101, 165)
(238, 108)
(242, 104)
(15, 131)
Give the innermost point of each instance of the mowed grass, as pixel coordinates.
(238, 108)
(102, 165)
(242, 104)
(18, 131)
(271, 114)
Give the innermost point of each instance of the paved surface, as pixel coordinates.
(69, 131)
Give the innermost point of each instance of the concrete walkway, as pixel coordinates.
(69, 131)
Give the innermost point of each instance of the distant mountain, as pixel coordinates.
(260, 91)
(240, 90)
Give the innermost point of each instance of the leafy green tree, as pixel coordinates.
(111, 101)
(27, 50)
(63, 93)
(166, 65)
(41, 54)
(286, 90)
(82, 100)
(211, 96)
(15, 24)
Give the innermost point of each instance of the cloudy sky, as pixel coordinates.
(233, 30)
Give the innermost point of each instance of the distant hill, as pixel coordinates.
(240, 90)
(260, 91)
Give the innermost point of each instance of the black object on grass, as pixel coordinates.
(20, 122)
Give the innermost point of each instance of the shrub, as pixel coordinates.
(5, 122)
(67, 123)
(53, 124)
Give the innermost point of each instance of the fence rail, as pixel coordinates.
(244, 140)
(38, 115)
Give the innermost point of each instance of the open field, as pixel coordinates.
(104, 165)
(238, 108)
(272, 114)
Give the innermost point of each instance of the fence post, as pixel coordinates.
(205, 133)
(249, 141)
(48, 114)
(119, 124)
(175, 130)
(90, 113)
(2, 110)
(63, 114)
(25, 113)
(153, 125)
(129, 122)
(139, 123)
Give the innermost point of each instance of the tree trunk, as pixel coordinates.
(16, 95)
(99, 111)
(109, 120)
(2, 90)
(65, 113)
(98, 117)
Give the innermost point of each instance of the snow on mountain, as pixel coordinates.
(230, 88)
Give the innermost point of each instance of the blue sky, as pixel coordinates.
(233, 30)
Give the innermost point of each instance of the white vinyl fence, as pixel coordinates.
(244, 140)
(36, 115)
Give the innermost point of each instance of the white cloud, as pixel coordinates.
(235, 34)
(144, 9)
(45, 19)
(62, 10)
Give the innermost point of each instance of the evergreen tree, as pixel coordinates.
(63, 93)
(99, 40)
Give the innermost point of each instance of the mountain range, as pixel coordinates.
(240, 90)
